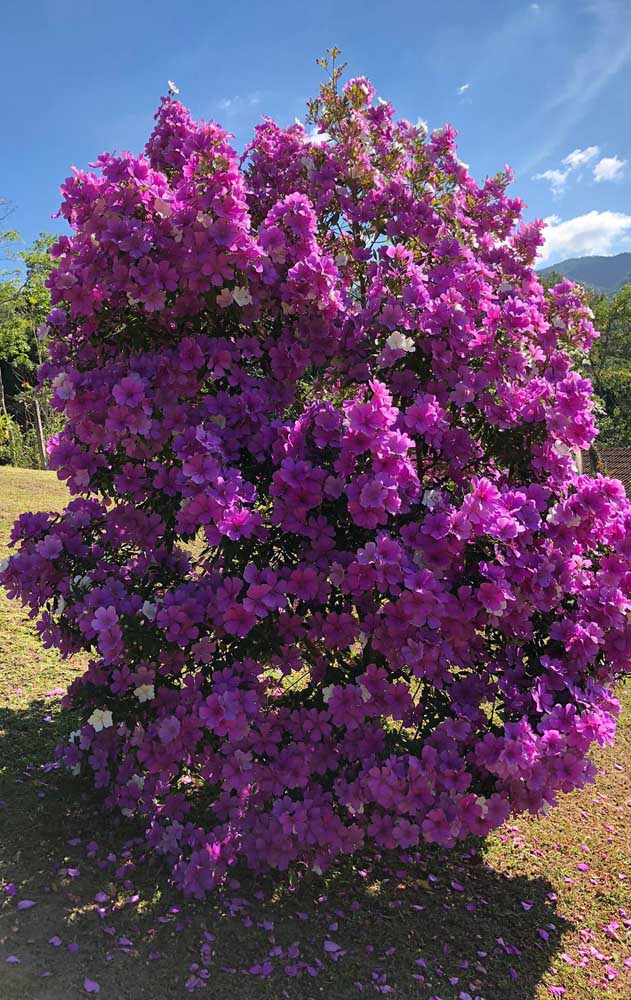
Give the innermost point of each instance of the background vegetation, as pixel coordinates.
(24, 304)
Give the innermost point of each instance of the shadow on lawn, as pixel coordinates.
(442, 924)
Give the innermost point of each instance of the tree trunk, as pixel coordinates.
(39, 431)
(3, 405)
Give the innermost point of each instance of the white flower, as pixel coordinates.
(138, 780)
(224, 299)
(62, 384)
(100, 719)
(336, 574)
(61, 604)
(553, 515)
(74, 736)
(365, 693)
(558, 322)
(327, 692)
(172, 87)
(397, 341)
(149, 610)
(241, 295)
(355, 812)
(162, 208)
(4, 564)
(431, 498)
(362, 639)
(205, 219)
(145, 692)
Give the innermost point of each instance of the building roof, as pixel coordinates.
(610, 461)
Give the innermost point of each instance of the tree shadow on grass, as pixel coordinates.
(437, 924)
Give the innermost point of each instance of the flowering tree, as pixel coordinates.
(329, 550)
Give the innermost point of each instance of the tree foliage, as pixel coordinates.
(24, 298)
(608, 363)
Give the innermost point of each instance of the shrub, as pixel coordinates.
(329, 549)
(19, 444)
(8, 432)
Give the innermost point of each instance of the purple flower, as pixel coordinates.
(324, 503)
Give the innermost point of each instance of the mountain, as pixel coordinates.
(606, 274)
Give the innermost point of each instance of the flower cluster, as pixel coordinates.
(329, 551)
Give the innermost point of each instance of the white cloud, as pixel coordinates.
(316, 137)
(461, 90)
(610, 168)
(592, 233)
(556, 178)
(608, 51)
(239, 103)
(579, 157)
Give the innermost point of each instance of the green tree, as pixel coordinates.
(608, 364)
(24, 303)
(614, 421)
(612, 349)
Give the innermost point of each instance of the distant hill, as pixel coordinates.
(606, 274)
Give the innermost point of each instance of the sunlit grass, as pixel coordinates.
(400, 915)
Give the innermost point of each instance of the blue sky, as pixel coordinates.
(542, 86)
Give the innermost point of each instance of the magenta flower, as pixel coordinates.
(319, 424)
(129, 391)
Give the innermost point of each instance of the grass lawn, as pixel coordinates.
(541, 909)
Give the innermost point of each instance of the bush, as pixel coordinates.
(8, 432)
(18, 437)
(339, 576)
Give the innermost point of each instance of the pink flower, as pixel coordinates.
(302, 559)
(493, 597)
(129, 391)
